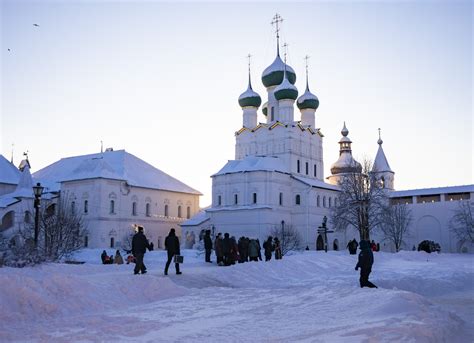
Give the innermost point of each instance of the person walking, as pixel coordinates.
(139, 246)
(172, 247)
(268, 247)
(208, 245)
(365, 262)
(278, 254)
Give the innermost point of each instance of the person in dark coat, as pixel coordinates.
(173, 248)
(259, 250)
(103, 256)
(208, 245)
(151, 246)
(226, 249)
(253, 250)
(278, 253)
(268, 246)
(218, 248)
(139, 246)
(366, 260)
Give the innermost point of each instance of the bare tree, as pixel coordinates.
(290, 238)
(462, 223)
(360, 203)
(396, 221)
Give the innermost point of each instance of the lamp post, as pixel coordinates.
(38, 191)
(324, 230)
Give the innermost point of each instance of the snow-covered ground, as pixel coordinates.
(307, 297)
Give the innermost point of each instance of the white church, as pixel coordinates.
(277, 177)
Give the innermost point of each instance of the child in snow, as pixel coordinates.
(366, 260)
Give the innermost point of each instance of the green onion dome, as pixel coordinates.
(273, 75)
(286, 91)
(265, 109)
(250, 98)
(308, 100)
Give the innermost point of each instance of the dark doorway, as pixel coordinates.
(320, 243)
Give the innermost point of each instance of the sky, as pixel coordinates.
(161, 80)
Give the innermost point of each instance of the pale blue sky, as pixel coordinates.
(161, 80)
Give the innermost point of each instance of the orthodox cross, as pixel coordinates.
(13, 146)
(306, 58)
(277, 19)
(249, 57)
(379, 133)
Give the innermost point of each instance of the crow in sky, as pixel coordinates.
(36, 25)
(9, 50)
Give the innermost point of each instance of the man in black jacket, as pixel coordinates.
(172, 247)
(366, 260)
(139, 246)
(208, 245)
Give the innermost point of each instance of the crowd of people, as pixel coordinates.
(229, 251)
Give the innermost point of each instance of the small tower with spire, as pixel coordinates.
(308, 103)
(382, 169)
(249, 101)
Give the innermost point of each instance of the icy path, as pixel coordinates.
(309, 297)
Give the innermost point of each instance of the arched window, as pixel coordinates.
(281, 199)
(112, 206)
(50, 210)
(330, 202)
(298, 166)
(219, 200)
(315, 171)
(134, 208)
(307, 168)
(254, 198)
(298, 199)
(86, 206)
(166, 210)
(27, 217)
(318, 201)
(73, 207)
(236, 199)
(324, 201)
(147, 210)
(179, 211)
(7, 221)
(112, 242)
(86, 241)
(188, 212)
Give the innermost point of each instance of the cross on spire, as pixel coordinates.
(249, 56)
(285, 48)
(277, 19)
(13, 146)
(306, 58)
(380, 141)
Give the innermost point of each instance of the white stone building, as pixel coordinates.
(277, 176)
(113, 190)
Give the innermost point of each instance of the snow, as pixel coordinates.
(434, 190)
(316, 183)
(307, 95)
(307, 297)
(253, 163)
(9, 173)
(277, 65)
(197, 219)
(117, 165)
(249, 93)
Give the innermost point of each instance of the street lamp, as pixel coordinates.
(324, 230)
(38, 191)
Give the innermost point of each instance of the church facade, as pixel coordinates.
(277, 178)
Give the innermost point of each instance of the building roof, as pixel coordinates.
(430, 191)
(317, 183)
(8, 172)
(253, 163)
(381, 163)
(115, 165)
(197, 219)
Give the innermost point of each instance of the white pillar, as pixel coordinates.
(308, 117)
(250, 117)
(286, 113)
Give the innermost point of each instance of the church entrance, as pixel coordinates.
(335, 245)
(320, 243)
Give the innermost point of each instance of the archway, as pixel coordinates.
(320, 243)
(335, 245)
(7, 221)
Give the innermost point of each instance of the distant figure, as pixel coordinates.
(268, 247)
(208, 245)
(253, 250)
(414, 248)
(278, 254)
(139, 246)
(172, 247)
(218, 248)
(118, 258)
(307, 248)
(104, 256)
(130, 259)
(366, 260)
(226, 249)
(259, 250)
(352, 246)
(373, 246)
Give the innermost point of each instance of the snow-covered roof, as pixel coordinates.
(277, 65)
(197, 219)
(253, 163)
(8, 172)
(239, 208)
(116, 165)
(381, 163)
(316, 183)
(345, 164)
(436, 190)
(307, 95)
(24, 189)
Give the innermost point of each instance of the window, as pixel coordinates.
(307, 168)
(27, 217)
(166, 210)
(318, 202)
(112, 242)
(273, 114)
(147, 210)
(188, 212)
(219, 200)
(281, 199)
(73, 207)
(298, 199)
(315, 171)
(86, 241)
(86, 206)
(254, 198)
(236, 199)
(298, 166)
(324, 201)
(330, 202)
(179, 211)
(134, 209)
(112, 206)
